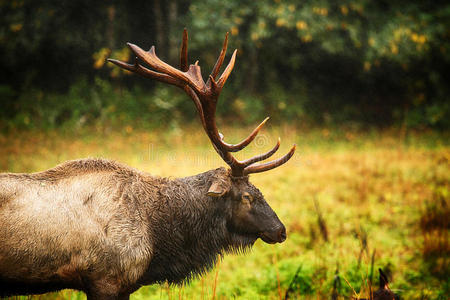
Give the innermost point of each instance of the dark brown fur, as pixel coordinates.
(107, 229)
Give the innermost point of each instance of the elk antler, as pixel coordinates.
(205, 96)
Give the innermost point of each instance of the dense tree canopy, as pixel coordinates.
(369, 62)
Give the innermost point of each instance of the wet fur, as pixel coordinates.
(106, 229)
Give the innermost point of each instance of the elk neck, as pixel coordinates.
(190, 230)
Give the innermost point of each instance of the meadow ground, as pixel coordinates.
(352, 202)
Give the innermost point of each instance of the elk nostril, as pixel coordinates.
(282, 234)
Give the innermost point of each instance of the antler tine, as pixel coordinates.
(261, 157)
(219, 61)
(184, 66)
(141, 70)
(246, 141)
(153, 61)
(223, 78)
(269, 165)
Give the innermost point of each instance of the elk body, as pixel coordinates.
(106, 229)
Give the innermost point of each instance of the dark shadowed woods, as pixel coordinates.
(358, 63)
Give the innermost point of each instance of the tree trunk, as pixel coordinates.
(110, 40)
(174, 35)
(160, 32)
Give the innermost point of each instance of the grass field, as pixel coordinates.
(352, 202)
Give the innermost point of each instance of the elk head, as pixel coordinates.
(251, 216)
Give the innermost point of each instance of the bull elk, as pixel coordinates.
(107, 229)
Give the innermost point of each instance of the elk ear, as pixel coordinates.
(218, 188)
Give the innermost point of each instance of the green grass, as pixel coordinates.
(381, 195)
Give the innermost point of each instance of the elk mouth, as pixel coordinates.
(273, 237)
(269, 240)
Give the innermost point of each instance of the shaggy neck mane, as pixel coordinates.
(194, 233)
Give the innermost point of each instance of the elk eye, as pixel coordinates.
(247, 197)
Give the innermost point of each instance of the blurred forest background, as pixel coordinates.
(358, 63)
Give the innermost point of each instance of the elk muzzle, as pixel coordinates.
(275, 235)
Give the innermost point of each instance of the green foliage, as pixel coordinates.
(98, 104)
(356, 60)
